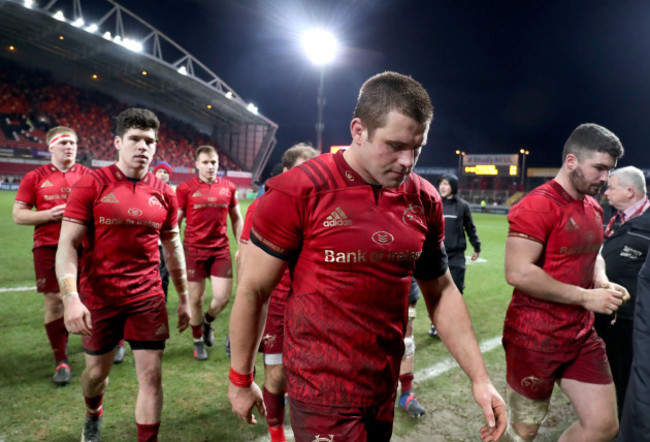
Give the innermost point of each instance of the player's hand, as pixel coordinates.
(244, 399)
(475, 256)
(494, 410)
(76, 316)
(618, 288)
(604, 300)
(184, 313)
(56, 212)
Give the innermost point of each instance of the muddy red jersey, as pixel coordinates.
(44, 188)
(281, 290)
(206, 208)
(124, 221)
(572, 232)
(352, 249)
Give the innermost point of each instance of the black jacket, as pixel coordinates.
(624, 252)
(635, 423)
(458, 220)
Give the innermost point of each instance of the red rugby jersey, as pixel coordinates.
(572, 232)
(352, 249)
(281, 290)
(46, 187)
(124, 221)
(206, 208)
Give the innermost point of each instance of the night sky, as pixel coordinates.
(502, 75)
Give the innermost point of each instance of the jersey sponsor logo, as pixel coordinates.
(382, 238)
(110, 198)
(129, 222)
(320, 438)
(571, 225)
(212, 199)
(360, 256)
(414, 214)
(155, 202)
(46, 184)
(56, 196)
(133, 211)
(197, 193)
(337, 218)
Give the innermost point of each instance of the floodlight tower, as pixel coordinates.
(320, 46)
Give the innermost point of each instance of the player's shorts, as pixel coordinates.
(143, 323)
(414, 292)
(310, 421)
(533, 374)
(273, 337)
(202, 264)
(44, 258)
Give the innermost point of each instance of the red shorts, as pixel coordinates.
(273, 337)
(202, 264)
(310, 421)
(44, 258)
(533, 374)
(143, 323)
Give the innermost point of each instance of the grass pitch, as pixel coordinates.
(196, 407)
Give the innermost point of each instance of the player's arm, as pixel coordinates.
(175, 261)
(24, 215)
(258, 277)
(523, 273)
(75, 315)
(180, 216)
(237, 221)
(601, 280)
(448, 311)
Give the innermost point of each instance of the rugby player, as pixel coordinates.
(123, 209)
(354, 227)
(205, 202)
(273, 336)
(553, 262)
(46, 190)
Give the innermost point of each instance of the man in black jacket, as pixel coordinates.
(625, 247)
(458, 220)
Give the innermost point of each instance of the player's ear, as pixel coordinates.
(356, 130)
(571, 161)
(117, 142)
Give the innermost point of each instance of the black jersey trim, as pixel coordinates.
(274, 253)
(431, 264)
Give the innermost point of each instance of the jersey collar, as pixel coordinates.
(119, 175)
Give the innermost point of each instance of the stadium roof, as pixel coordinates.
(136, 63)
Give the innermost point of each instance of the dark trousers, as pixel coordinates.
(618, 342)
(457, 268)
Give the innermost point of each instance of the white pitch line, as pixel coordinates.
(450, 363)
(17, 289)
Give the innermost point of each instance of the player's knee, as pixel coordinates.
(604, 427)
(526, 415)
(409, 346)
(519, 434)
(274, 379)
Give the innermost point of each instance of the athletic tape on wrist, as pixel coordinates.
(240, 380)
(67, 295)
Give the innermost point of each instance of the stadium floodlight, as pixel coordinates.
(117, 39)
(182, 70)
(252, 108)
(29, 3)
(107, 35)
(78, 22)
(229, 95)
(132, 45)
(320, 46)
(92, 28)
(58, 15)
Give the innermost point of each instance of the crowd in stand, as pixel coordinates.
(33, 102)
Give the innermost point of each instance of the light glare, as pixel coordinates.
(320, 46)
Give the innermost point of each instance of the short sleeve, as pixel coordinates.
(532, 218)
(79, 207)
(172, 210)
(27, 190)
(248, 222)
(432, 263)
(181, 197)
(234, 199)
(277, 224)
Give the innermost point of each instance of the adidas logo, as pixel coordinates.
(110, 198)
(197, 193)
(571, 225)
(337, 218)
(47, 184)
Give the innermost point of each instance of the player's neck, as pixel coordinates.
(63, 166)
(350, 156)
(206, 180)
(130, 172)
(563, 180)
